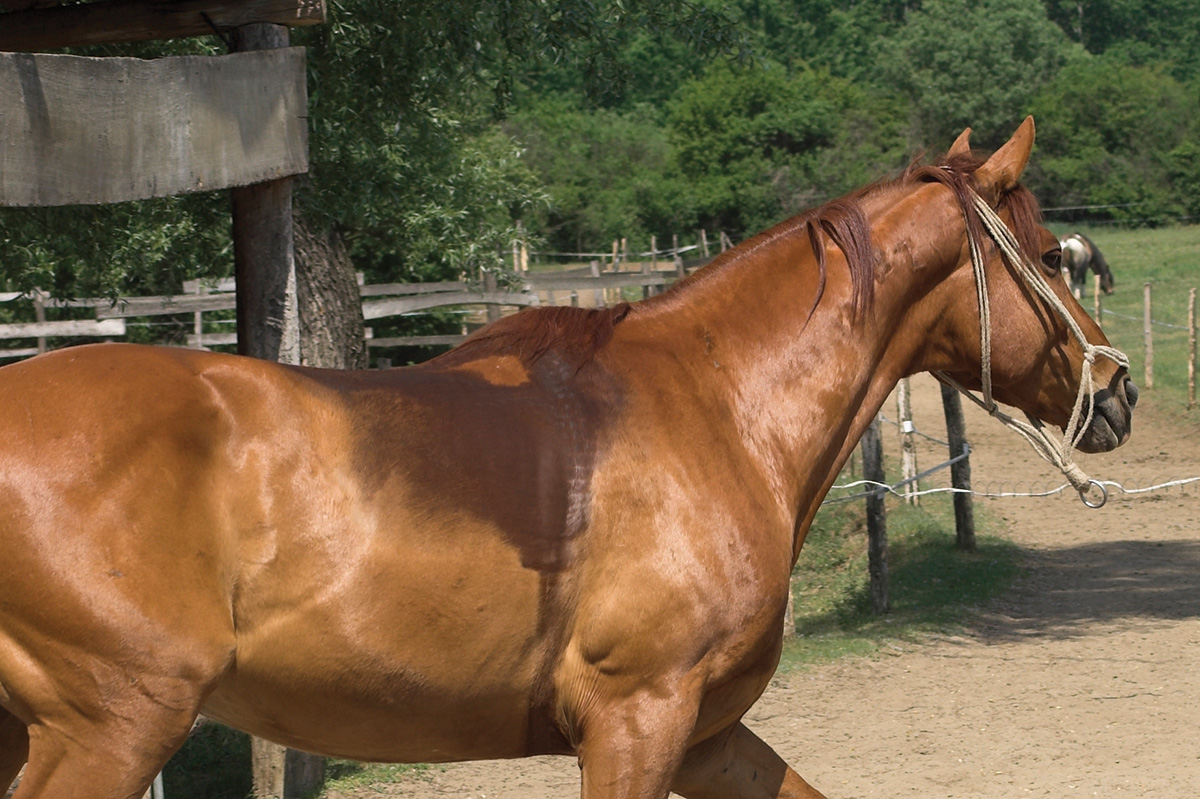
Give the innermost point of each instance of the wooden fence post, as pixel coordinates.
(489, 286)
(39, 314)
(789, 613)
(877, 566)
(268, 318)
(268, 326)
(908, 447)
(1191, 323)
(597, 294)
(704, 242)
(1147, 336)
(960, 472)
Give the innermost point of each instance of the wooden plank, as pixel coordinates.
(109, 21)
(71, 327)
(200, 340)
(399, 289)
(27, 352)
(165, 306)
(378, 309)
(552, 281)
(77, 130)
(450, 340)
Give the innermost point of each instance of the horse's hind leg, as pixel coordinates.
(738, 765)
(14, 749)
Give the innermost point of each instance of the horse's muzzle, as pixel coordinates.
(1112, 417)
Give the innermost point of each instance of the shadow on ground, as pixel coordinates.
(1065, 590)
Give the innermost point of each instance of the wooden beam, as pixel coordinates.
(79, 131)
(166, 306)
(109, 21)
(70, 327)
(379, 309)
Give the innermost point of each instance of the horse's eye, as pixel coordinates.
(1053, 260)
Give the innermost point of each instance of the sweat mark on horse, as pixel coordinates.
(571, 535)
(1079, 254)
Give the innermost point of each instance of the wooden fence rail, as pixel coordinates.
(380, 301)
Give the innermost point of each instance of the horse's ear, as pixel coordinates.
(962, 145)
(1002, 171)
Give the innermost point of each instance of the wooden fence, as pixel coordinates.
(592, 285)
(1149, 323)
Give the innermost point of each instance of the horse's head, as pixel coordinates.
(1038, 356)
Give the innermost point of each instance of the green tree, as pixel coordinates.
(1140, 32)
(1114, 134)
(608, 171)
(757, 145)
(976, 64)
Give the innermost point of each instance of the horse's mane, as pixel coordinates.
(577, 334)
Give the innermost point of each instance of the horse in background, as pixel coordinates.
(1079, 254)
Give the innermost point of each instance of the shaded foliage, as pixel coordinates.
(1117, 135)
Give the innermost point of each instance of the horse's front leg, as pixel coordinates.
(631, 747)
(739, 765)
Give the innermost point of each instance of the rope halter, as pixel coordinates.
(1056, 449)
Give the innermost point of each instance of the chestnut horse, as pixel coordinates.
(571, 535)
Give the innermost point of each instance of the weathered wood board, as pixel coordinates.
(76, 130)
(106, 21)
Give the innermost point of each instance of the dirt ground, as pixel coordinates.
(1080, 682)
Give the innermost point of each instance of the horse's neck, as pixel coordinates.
(800, 388)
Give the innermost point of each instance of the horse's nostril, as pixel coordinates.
(1131, 392)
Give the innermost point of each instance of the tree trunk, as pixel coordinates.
(331, 320)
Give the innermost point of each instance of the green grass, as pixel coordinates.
(1169, 259)
(934, 587)
(345, 776)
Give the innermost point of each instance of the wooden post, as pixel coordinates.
(646, 290)
(789, 614)
(1097, 310)
(1191, 323)
(704, 242)
(39, 313)
(268, 326)
(1147, 336)
(675, 255)
(960, 472)
(268, 319)
(908, 447)
(489, 286)
(877, 567)
(597, 294)
(652, 268)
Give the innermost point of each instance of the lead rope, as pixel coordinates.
(1058, 450)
